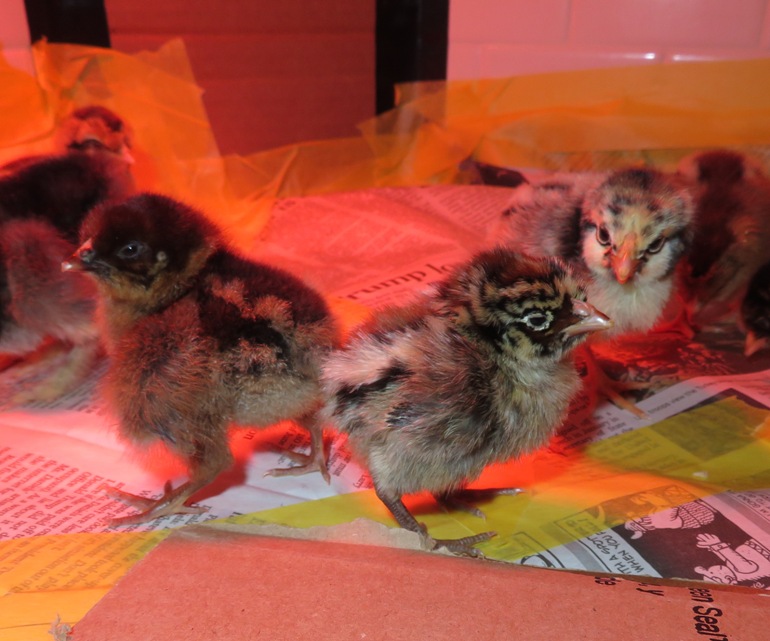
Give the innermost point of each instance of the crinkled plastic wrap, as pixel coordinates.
(587, 118)
(580, 120)
(572, 120)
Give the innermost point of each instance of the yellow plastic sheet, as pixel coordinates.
(42, 577)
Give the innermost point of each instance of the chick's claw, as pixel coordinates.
(170, 503)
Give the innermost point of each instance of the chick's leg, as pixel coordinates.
(462, 546)
(205, 467)
(315, 460)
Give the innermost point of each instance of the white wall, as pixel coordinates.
(499, 38)
(14, 35)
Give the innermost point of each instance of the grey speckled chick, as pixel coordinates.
(635, 229)
(474, 373)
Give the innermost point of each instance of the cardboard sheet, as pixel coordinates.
(207, 583)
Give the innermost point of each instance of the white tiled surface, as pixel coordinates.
(494, 38)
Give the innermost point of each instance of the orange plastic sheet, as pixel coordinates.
(532, 120)
(155, 93)
(547, 121)
(572, 120)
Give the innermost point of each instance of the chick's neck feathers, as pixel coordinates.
(124, 304)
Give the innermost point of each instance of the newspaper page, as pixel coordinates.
(381, 246)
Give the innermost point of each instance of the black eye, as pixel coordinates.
(539, 321)
(603, 236)
(656, 245)
(131, 250)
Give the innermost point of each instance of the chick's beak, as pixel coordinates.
(126, 155)
(80, 260)
(624, 261)
(591, 320)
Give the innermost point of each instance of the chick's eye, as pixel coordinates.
(656, 245)
(131, 250)
(603, 236)
(539, 321)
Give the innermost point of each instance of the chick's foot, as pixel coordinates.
(172, 502)
(463, 546)
(612, 389)
(314, 461)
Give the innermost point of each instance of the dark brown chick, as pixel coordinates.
(92, 129)
(61, 190)
(42, 204)
(39, 304)
(755, 312)
(732, 231)
(474, 373)
(199, 338)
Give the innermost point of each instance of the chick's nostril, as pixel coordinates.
(86, 255)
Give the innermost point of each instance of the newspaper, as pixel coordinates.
(682, 493)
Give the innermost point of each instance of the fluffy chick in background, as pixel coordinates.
(38, 302)
(61, 190)
(92, 129)
(625, 235)
(544, 215)
(95, 128)
(732, 231)
(755, 312)
(199, 338)
(474, 373)
(43, 200)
